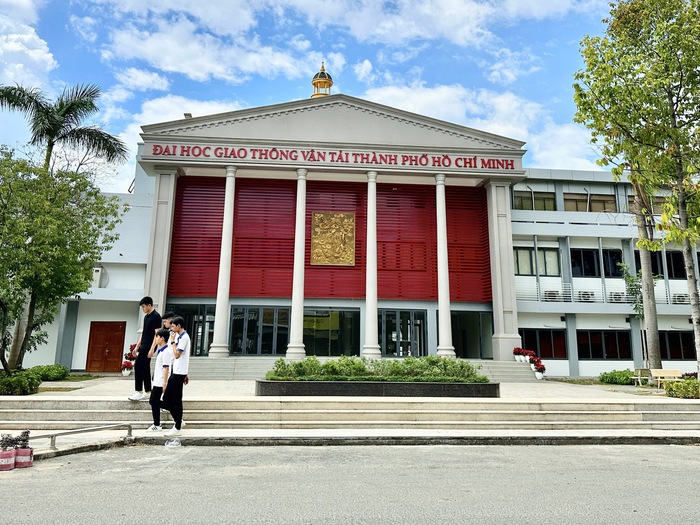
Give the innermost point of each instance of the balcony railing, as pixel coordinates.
(591, 292)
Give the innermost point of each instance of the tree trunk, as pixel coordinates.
(28, 330)
(645, 231)
(18, 332)
(687, 251)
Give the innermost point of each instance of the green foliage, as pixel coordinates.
(687, 389)
(51, 372)
(410, 369)
(617, 377)
(21, 383)
(54, 228)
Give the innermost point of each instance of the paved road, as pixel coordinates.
(358, 485)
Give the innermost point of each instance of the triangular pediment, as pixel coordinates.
(334, 120)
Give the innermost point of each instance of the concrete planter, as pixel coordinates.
(375, 389)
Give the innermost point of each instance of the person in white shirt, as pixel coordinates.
(161, 374)
(172, 398)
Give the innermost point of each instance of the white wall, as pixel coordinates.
(103, 311)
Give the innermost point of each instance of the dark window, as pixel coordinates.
(674, 263)
(677, 346)
(538, 200)
(589, 202)
(549, 344)
(657, 203)
(611, 259)
(604, 344)
(585, 262)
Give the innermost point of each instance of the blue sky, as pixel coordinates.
(503, 66)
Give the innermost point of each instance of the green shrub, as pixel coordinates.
(687, 389)
(21, 383)
(51, 372)
(410, 369)
(617, 377)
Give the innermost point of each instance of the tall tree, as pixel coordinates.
(639, 93)
(54, 227)
(59, 122)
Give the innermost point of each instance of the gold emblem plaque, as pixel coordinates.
(333, 239)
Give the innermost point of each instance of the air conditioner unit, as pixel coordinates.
(586, 297)
(618, 297)
(680, 298)
(552, 295)
(96, 277)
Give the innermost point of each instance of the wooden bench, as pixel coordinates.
(662, 376)
(641, 376)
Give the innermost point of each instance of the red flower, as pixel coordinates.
(127, 365)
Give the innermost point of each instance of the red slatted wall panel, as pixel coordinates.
(406, 242)
(196, 242)
(337, 281)
(263, 238)
(468, 244)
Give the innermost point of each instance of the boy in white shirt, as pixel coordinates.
(161, 374)
(172, 399)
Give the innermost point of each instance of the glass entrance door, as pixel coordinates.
(259, 330)
(402, 333)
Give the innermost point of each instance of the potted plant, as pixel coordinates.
(128, 363)
(7, 452)
(24, 454)
(539, 370)
(517, 353)
(127, 367)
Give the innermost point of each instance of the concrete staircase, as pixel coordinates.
(358, 413)
(247, 368)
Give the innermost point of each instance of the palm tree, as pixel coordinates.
(58, 122)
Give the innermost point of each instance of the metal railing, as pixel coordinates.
(54, 435)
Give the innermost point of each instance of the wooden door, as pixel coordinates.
(106, 346)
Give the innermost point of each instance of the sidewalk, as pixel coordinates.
(108, 388)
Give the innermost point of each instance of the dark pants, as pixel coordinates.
(142, 373)
(172, 400)
(156, 393)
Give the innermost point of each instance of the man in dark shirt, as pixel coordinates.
(142, 368)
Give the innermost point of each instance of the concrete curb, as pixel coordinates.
(81, 447)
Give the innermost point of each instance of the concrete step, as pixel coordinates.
(255, 367)
(67, 413)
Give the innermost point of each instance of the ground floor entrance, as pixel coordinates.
(264, 330)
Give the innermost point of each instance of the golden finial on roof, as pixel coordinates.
(322, 83)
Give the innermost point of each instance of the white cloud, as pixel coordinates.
(21, 11)
(511, 65)
(142, 80)
(540, 9)
(163, 109)
(179, 46)
(24, 57)
(565, 146)
(363, 71)
(549, 144)
(85, 27)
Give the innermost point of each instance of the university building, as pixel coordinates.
(337, 226)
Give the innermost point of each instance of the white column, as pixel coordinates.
(158, 262)
(505, 311)
(445, 348)
(371, 347)
(219, 345)
(295, 348)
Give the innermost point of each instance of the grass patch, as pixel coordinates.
(79, 377)
(577, 380)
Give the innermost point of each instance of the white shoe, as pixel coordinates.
(145, 396)
(163, 411)
(173, 432)
(155, 428)
(136, 396)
